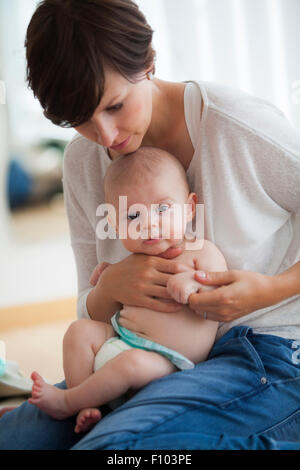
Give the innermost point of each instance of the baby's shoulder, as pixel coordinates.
(199, 246)
(206, 253)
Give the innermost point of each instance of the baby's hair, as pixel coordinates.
(141, 165)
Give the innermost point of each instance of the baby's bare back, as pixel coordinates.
(183, 331)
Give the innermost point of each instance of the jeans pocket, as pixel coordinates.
(243, 371)
(255, 357)
(286, 430)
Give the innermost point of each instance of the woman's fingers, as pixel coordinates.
(171, 267)
(215, 278)
(159, 291)
(97, 272)
(161, 279)
(141, 277)
(206, 301)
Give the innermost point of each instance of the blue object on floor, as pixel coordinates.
(19, 184)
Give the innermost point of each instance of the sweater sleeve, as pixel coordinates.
(82, 233)
(273, 146)
(259, 140)
(277, 159)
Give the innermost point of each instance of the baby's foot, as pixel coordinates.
(86, 419)
(48, 398)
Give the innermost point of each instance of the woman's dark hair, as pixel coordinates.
(68, 45)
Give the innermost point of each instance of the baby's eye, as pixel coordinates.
(163, 208)
(133, 216)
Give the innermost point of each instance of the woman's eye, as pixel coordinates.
(116, 107)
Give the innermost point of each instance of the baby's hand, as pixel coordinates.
(180, 286)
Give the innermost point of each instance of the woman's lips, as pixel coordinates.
(121, 145)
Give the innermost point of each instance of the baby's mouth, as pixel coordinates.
(151, 241)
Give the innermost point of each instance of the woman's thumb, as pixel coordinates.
(213, 278)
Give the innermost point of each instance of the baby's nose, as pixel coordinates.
(150, 222)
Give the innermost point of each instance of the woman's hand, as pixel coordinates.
(140, 280)
(239, 293)
(97, 272)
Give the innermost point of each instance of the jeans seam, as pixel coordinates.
(221, 346)
(254, 354)
(246, 395)
(162, 421)
(140, 436)
(148, 432)
(292, 416)
(175, 415)
(292, 379)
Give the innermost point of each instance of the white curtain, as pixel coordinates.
(27, 122)
(250, 44)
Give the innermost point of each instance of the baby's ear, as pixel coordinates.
(191, 206)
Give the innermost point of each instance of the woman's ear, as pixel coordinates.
(191, 206)
(150, 71)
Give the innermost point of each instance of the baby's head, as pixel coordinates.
(154, 182)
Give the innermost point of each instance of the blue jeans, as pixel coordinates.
(245, 396)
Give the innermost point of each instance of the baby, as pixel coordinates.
(103, 362)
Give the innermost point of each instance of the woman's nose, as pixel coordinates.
(106, 132)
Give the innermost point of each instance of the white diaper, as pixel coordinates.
(110, 349)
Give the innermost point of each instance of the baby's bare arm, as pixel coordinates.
(180, 286)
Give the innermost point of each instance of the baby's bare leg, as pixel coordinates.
(81, 342)
(133, 368)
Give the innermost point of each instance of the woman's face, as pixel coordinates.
(123, 116)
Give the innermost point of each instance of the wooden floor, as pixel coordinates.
(33, 336)
(28, 315)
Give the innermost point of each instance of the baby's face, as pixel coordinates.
(156, 213)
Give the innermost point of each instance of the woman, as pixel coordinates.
(91, 65)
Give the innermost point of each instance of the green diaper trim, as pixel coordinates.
(180, 361)
(115, 340)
